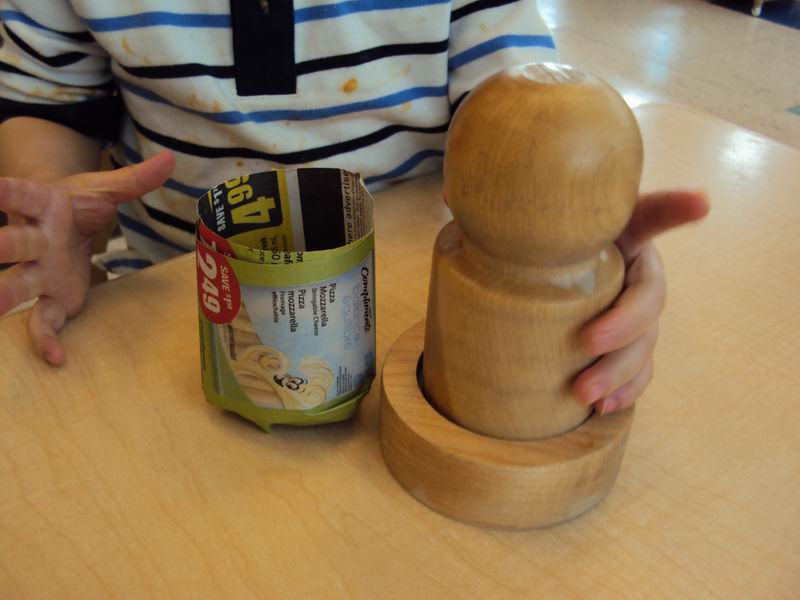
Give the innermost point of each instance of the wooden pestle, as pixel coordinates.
(541, 171)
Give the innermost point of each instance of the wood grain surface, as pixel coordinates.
(484, 480)
(541, 171)
(118, 480)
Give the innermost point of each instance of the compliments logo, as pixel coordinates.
(366, 300)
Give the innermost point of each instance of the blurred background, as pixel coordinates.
(712, 56)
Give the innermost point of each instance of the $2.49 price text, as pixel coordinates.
(217, 287)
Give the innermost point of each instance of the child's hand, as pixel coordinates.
(626, 333)
(52, 241)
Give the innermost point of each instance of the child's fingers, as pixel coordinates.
(21, 243)
(23, 198)
(636, 309)
(659, 212)
(612, 372)
(627, 394)
(19, 284)
(125, 183)
(46, 319)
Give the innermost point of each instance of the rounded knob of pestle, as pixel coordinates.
(542, 165)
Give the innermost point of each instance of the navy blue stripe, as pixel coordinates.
(457, 103)
(171, 184)
(370, 54)
(223, 20)
(477, 6)
(327, 63)
(13, 15)
(108, 85)
(236, 117)
(184, 189)
(181, 70)
(166, 218)
(59, 60)
(499, 43)
(145, 231)
(131, 263)
(406, 166)
(286, 158)
(160, 19)
(339, 9)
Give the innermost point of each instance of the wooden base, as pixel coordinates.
(488, 481)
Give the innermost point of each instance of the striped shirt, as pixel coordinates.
(238, 86)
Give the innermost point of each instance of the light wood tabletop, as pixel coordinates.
(117, 479)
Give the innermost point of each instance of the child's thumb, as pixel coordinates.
(125, 183)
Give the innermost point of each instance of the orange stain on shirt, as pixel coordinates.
(126, 45)
(64, 94)
(350, 86)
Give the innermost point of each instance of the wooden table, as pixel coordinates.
(117, 479)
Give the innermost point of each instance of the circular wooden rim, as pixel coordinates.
(585, 459)
(592, 435)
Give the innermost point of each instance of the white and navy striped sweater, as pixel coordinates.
(234, 86)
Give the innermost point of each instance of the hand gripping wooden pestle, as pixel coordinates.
(542, 170)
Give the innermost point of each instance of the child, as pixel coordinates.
(368, 85)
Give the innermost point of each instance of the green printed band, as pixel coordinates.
(335, 263)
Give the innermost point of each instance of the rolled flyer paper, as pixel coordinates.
(286, 290)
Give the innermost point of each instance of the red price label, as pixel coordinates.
(217, 287)
(214, 240)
